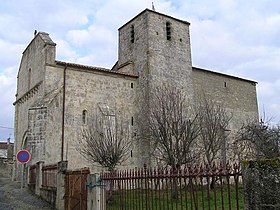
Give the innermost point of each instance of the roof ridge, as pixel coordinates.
(78, 64)
(94, 68)
(223, 74)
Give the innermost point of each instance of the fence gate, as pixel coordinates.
(75, 189)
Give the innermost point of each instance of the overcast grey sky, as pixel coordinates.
(235, 37)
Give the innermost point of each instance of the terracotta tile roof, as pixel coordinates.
(80, 66)
(3, 145)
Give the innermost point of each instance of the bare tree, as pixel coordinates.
(173, 128)
(261, 139)
(243, 150)
(106, 142)
(214, 122)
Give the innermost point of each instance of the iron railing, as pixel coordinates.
(32, 175)
(49, 175)
(191, 187)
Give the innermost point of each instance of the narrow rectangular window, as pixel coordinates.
(84, 117)
(131, 120)
(132, 34)
(168, 30)
(225, 84)
(131, 153)
(131, 85)
(29, 79)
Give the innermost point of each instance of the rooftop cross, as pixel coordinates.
(153, 7)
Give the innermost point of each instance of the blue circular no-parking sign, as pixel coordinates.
(23, 156)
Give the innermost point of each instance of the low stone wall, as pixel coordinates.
(6, 167)
(262, 184)
(3, 167)
(49, 195)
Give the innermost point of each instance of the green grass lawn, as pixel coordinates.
(161, 199)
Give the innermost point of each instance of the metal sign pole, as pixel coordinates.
(23, 156)
(21, 179)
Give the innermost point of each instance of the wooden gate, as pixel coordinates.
(75, 189)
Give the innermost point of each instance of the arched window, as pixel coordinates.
(168, 30)
(84, 117)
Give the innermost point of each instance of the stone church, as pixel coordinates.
(55, 99)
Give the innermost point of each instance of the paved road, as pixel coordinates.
(11, 199)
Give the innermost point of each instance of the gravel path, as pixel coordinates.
(11, 199)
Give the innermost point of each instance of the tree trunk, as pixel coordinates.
(174, 183)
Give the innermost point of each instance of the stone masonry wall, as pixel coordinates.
(156, 60)
(234, 93)
(137, 53)
(40, 51)
(169, 60)
(85, 90)
(36, 134)
(238, 96)
(54, 102)
(30, 88)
